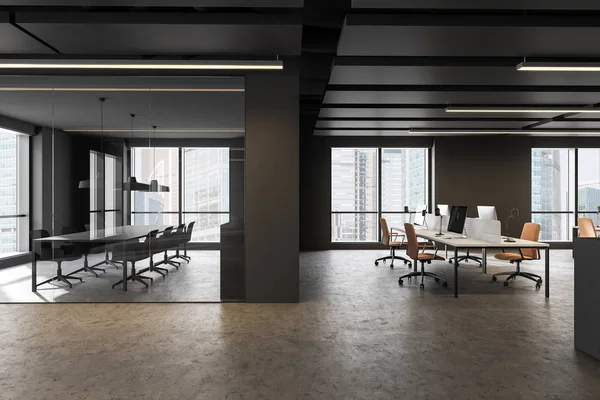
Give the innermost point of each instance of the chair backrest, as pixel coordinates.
(586, 228)
(190, 229)
(39, 247)
(181, 229)
(385, 232)
(167, 232)
(412, 246)
(531, 232)
(87, 227)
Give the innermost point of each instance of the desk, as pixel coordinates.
(100, 237)
(576, 235)
(458, 242)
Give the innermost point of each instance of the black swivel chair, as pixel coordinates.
(181, 238)
(43, 251)
(167, 241)
(154, 248)
(84, 249)
(188, 238)
(466, 258)
(133, 251)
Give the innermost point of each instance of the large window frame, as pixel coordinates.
(20, 212)
(380, 209)
(574, 209)
(184, 214)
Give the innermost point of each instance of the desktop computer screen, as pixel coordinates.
(487, 212)
(458, 216)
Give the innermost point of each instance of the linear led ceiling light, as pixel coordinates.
(84, 130)
(141, 65)
(558, 67)
(108, 89)
(534, 132)
(516, 110)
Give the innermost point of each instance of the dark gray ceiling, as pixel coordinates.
(207, 113)
(157, 3)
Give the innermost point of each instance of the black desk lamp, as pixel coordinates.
(424, 214)
(437, 214)
(407, 211)
(514, 213)
(598, 216)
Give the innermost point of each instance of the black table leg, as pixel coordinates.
(33, 268)
(124, 266)
(456, 272)
(484, 260)
(547, 261)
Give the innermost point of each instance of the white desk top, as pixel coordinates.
(456, 240)
(118, 234)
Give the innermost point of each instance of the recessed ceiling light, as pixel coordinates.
(558, 67)
(141, 65)
(191, 130)
(124, 89)
(516, 110)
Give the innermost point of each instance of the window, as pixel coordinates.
(356, 190)
(588, 184)
(206, 191)
(156, 208)
(14, 192)
(204, 196)
(552, 197)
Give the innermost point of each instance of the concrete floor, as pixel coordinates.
(356, 334)
(198, 281)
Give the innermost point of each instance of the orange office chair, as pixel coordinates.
(531, 231)
(389, 239)
(412, 250)
(586, 228)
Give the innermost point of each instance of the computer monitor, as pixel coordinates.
(419, 218)
(458, 216)
(487, 212)
(444, 209)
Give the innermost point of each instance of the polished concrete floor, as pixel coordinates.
(196, 281)
(355, 335)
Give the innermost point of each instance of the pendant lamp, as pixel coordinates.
(154, 186)
(132, 184)
(86, 183)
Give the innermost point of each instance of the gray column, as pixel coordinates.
(272, 187)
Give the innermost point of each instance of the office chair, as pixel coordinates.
(43, 251)
(181, 238)
(412, 250)
(586, 228)
(531, 232)
(165, 242)
(388, 239)
(133, 251)
(154, 248)
(188, 232)
(84, 249)
(102, 249)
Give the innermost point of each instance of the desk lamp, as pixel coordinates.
(514, 213)
(437, 214)
(407, 211)
(598, 216)
(424, 214)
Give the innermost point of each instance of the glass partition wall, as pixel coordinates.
(131, 185)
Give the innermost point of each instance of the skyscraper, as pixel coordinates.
(8, 192)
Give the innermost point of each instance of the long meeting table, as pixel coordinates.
(120, 234)
(458, 242)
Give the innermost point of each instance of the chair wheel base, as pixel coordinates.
(505, 283)
(391, 266)
(376, 263)
(494, 279)
(400, 282)
(445, 284)
(422, 286)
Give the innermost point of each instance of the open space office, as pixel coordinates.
(299, 199)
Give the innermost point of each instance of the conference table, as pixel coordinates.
(459, 242)
(99, 237)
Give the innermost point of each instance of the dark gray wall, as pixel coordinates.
(51, 164)
(272, 187)
(480, 170)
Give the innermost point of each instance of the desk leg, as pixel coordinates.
(456, 272)
(547, 261)
(484, 260)
(33, 269)
(124, 266)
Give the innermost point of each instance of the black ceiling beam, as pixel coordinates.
(475, 20)
(564, 117)
(437, 106)
(430, 119)
(462, 88)
(407, 61)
